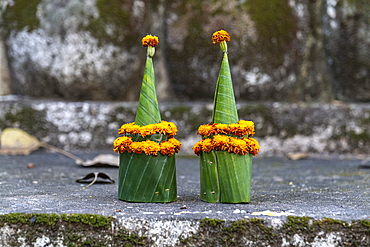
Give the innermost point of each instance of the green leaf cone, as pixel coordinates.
(146, 178)
(148, 109)
(224, 106)
(225, 177)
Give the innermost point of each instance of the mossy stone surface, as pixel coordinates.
(82, 230)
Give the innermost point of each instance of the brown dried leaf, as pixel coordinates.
(103, 160)
(296, 156)
(15, 141)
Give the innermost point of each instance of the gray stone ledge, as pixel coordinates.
(60, 230)
(280, 127)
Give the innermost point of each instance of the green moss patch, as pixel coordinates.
(97, 230)
(20, 15)
(215, 232)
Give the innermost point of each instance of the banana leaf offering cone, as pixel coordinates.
(147, 147)
(226, 147)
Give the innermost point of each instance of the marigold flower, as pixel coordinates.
(170, 147)
(242, 128)
(125, 144)
(121, 143)
(220, 36)
(129, 128)
(150, 147)
(150, 40)
(164, 128)
(230, 144)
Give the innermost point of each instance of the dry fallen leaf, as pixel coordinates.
(95, 175)
(102, 160)
(296, 156)
(15, 141)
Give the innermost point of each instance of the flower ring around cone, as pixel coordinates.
(147, 147)
(226, 147)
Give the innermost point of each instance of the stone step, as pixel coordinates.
(281, 128)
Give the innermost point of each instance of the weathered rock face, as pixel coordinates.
(281, 128)
(347, 36)
(280, 50)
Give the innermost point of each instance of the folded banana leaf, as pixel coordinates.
(224, 110)
(145, 178)
(225, 177)
(148, 109)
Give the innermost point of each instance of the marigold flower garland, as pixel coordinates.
(126, 144)
(215, 137)
(230, 144)
(242, 128)
(164, 128)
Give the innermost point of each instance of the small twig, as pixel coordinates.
(61, 151)
(95, 178)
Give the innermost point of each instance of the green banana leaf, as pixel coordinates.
(145, 178)
(148, 109)
(225, 177)
(224, 109)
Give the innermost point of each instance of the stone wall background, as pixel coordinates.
(281, 128)
(281, 50)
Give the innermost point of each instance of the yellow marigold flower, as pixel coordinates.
(121, 143)
(150, 40)
(150, 147)
(254, 146)
(220, 36)
(167, 148)
(242, 128)
(230, 144)
(147, 130)
(207, 145)
(165, 128)
(197, 148)
(125, 144)
(129, 128)
(176, 143)
(170, 147)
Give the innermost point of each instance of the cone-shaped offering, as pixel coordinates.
(147, 147)
(226, 147)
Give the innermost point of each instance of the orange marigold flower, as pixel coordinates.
(176, 143)
(121, 143)
(230, 144)
(150, 147)
(165, 128)
(170, 147)
(129, 128)
(125, 144)
(220, 36)
(254, 146)
(242, 128)
(150, 40)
